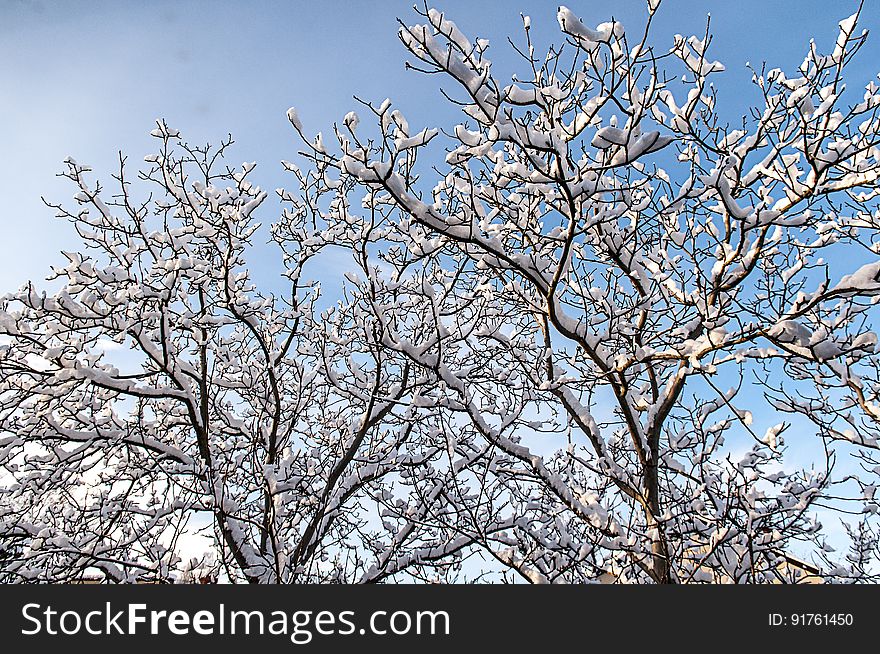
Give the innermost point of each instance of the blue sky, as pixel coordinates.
(89, 78)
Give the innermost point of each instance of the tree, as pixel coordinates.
(602, 335)
(608, 283)
(156, 394)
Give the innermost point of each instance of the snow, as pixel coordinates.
(586, 37)
(790, 331)
(865, 280)
(422, 138)
(293, 117)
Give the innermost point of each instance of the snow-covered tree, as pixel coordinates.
(652, 325)
(597, 331)
(156, 396)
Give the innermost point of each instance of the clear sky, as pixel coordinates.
(88, 78)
